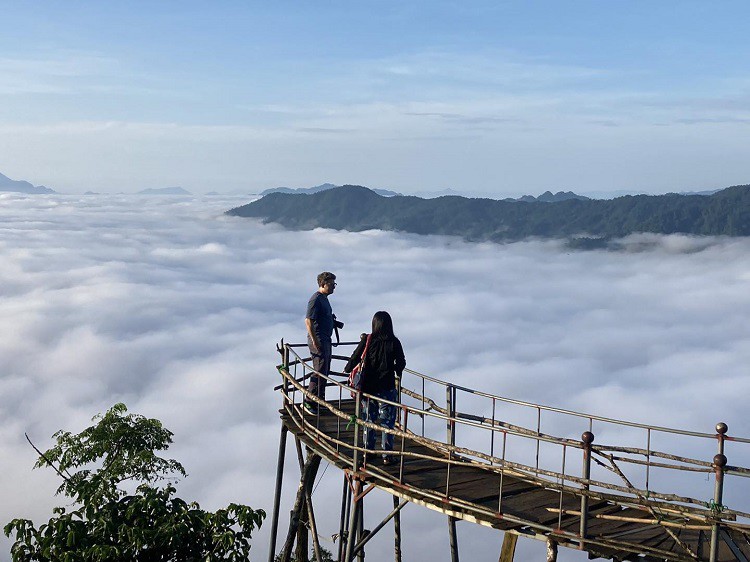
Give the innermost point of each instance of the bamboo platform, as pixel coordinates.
(471, 493)
(618, 522)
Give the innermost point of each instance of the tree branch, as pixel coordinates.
(49, 462)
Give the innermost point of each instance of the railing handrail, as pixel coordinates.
(614, 421)
(529, 434)
(633, 495)
(543, 407)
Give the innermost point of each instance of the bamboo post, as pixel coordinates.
(345, 532)
(551, 550)
(396, 531)
(313, 528)
(309, 471)
(277, 494)
(361, 530)
(453, 538)
(588, 439)
(367, 535)
(720, 461)
(307, 515)
(509, 547)
(351, 536)
(345, 499)
(301, 547)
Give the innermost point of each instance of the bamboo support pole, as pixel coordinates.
(508, 550)
(551, 550)
(309, 471)
(396, 530)
(351, 535)
(397, 507)
(453, 538)
(360, 552)
(308, 515)
(346, 495)
(277, 493)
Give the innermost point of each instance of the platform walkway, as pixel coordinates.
(612, 520)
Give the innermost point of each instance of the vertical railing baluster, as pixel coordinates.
(648, 457)
(285, 366)
(355, 441)
(338, 422)
(562, 486)
(403, 446)
(502, 474)
(720, 461)
(292, 392)
(398, 399)
(423, 404)
(450, 429)
(492, 433)
(538, 431)
(588, 439)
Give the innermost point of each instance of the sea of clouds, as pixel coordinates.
(175, 309)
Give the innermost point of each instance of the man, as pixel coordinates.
(320, 322)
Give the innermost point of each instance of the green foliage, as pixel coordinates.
(356, 208)
(110, 524)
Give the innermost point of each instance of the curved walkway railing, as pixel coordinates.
(652, 468)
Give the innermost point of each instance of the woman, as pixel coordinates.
(384, 361)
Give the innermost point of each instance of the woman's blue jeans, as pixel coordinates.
(380, 413)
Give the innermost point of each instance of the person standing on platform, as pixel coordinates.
(320, 322)
(384, 363)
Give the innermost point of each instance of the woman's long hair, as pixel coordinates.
(382, 325)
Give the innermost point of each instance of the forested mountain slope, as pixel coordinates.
(356, 208)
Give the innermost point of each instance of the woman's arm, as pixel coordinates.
(400, 359)
(357, 355)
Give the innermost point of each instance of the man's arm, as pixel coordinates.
(311, 333)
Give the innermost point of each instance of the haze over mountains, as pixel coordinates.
(584, 221)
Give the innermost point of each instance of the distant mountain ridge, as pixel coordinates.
(164, 191)
(357, 208)
(21, 186)
(549, 197)
(318, 189)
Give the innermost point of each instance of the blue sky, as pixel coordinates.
(503, 98)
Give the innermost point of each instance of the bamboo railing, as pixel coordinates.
(468, 427)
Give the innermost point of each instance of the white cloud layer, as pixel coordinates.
(171, 307)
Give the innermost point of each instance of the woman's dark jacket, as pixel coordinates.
(385, 358)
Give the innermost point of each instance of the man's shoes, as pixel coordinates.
(311, 407)
(389, 460)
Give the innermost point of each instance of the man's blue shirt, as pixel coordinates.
(320, 312)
